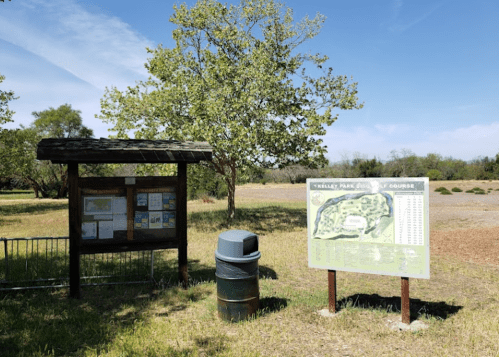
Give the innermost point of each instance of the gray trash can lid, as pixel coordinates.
(237, 246)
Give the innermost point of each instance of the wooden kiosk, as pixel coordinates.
(118, 214)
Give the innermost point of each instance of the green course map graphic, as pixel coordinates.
(98, 205)
(362, 216)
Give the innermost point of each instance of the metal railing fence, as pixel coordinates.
(43, 262)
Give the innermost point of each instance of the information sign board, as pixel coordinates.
(370, 225)
(115, 214)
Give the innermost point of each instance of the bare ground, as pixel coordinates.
(462, 225)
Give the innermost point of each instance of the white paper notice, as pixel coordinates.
(119, 222)
(89, 230)
(119, 205)
(105, 229)
(155, 219)
(155, 202)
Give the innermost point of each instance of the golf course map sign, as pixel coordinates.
(369, 225)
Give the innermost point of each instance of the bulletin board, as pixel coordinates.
(128, 213)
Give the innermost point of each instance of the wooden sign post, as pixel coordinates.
(331, 277)
(405, 306)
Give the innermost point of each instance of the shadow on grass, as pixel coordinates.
(429, 309)
(48, 321)
(38, 207)
(258, 220)
(16, 192)
(269, 305)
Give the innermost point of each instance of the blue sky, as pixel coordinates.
(428, 71)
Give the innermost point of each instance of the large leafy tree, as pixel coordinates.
(63, 122)
(5, 117)
(236, 80)
(19, 159)
(5, 98)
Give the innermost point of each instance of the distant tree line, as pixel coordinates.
(403, 163)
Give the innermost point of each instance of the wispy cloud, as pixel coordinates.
(400, 25)
(463, 143)
(99, 49)
(396, 6)
(390, 129)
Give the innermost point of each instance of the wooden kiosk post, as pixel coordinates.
(120, 214)
(74, 232)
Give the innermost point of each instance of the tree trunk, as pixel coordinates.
(35, 186)
(231, 184)
(63, 190)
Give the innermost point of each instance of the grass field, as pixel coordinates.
(459, 303)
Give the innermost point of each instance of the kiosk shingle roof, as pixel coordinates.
(122, 151)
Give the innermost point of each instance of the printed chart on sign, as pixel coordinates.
(369, 225)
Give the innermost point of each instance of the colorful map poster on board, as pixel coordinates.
(141, 199)
(372, 225)
(168, 219)
(168, 200)
(98, 205)
(141, 220)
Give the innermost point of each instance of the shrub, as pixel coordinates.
(456, 189)
(203, 180)
(445, 192)
(470, 191)
(440, 189)
(478, 191)
(434, 175)
(206, 198)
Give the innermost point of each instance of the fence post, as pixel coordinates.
(152, 266)
(6, 248)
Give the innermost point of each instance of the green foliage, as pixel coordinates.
(443, 191)
(19, 149)
(230, 81)
(5, 98)
(404, 163)
(476, 190)
(440, 189)
(63, 122)
(456, 189)
(201, 182)
(434, 175)
(369, 168)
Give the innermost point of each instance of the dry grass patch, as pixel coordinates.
(459, 302)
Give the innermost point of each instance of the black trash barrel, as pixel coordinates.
(236, 260)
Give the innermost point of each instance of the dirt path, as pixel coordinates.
(462, 225)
